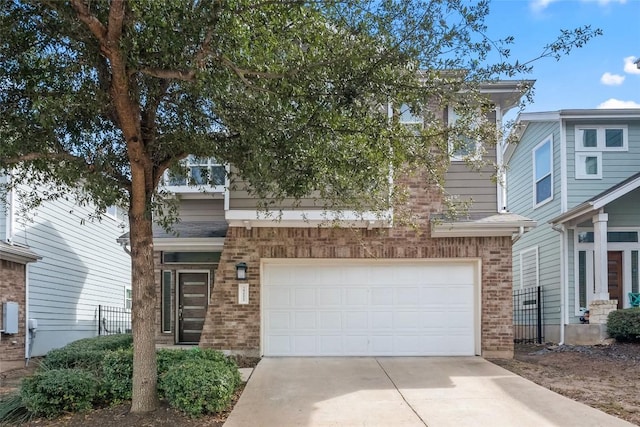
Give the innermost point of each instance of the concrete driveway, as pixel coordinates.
(402, 391)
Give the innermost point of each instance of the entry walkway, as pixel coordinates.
(402, 391)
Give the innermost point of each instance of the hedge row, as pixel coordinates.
(98, 371)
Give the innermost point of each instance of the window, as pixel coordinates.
(412, 121)
(190, 257)
(200, 171)
(612, 237)
(461, 147)
(117, 213)
(588, 165)
(634, 271)
(529, 268)
(167, 278)
(127, 298)
(601, 138)
(582, 279)
(542, 171)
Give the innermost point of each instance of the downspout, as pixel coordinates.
(564, 280)
(10, 213)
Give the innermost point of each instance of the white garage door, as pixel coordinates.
(351, 308)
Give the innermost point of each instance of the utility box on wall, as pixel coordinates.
(10, 317)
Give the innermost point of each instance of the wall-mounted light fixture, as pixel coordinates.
(241, 270)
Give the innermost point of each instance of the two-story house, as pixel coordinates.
(298, 283)
(58, 267)
(577, 173)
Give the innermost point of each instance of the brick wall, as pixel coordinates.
(234, 327)
(12, 288)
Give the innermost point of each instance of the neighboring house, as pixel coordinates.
(576, 172)
(365, 287)
(79, 267)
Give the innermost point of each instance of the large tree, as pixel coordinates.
(103, 97)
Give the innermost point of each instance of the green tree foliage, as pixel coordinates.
(98, 99)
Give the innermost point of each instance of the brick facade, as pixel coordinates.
(12, 288)
(234, 327)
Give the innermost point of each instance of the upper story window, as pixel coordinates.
(543, 172)
(117, 213)
(461, 147)
(602, 138)
(411, 120)
(589, 165)
(200, 172)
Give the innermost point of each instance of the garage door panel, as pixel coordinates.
(357, 320)
(279, 297)
(382, 296)
(406, 320)
(382, 320)
(278, 321)
(330, 320)
(368, 309)
(304, 297)
(328, 297)
(357, 296)
(406, 296)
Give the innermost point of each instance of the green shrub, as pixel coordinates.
(168, 358)
(624, 325)
(200, 386)
(86, 353)
(52, 392)
(117, 373)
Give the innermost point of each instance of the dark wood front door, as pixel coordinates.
(192, 306)
(614, 268)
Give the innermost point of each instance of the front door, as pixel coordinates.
(614, 268)
(192, 306)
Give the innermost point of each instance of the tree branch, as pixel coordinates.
(94, 25)
(183, 75)
(116, 17)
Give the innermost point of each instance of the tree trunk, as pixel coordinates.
(145, 397)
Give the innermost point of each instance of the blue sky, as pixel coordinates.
(599, 75)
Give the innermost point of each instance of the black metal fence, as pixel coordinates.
(528, 322)
(113, 320)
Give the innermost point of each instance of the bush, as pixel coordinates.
(201, 385)
(52, 392)
(117, 373)
(624, 325)
(86, 353)
(167, 359)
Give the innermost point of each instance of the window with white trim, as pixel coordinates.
(461, 147)
(128, 298)
(584, 283)
(543, 172)
(529, 267)
(602, 138)
(200, 171)
(411, 120)
(589, 165)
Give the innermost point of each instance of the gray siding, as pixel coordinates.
(625, 212)
(82, 266)
(520, 200)
(239, 198)
(616, 165)
(201, 210)
(478, 187)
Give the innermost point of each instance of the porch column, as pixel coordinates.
(600, 277)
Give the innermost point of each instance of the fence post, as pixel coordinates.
(99, 320)
(539, 310)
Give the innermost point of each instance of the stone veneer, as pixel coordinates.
(12, 288)
(236, 328)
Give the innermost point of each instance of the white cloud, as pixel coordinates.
(629, 66)
(611, 79)
(617, 103)
(538, 5)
